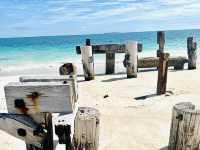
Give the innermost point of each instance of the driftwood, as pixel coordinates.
(36, 97)
(86, 133)
(162, 73)
(131, 55)
(185, 131)
(192, 53)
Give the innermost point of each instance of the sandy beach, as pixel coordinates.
(128, 121)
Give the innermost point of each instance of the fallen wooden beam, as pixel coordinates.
(24, 128)
(37, 97)
(102, 49)
(151, 62)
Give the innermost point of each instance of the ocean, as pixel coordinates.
(32, 53)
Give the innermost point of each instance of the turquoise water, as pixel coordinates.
(36, 50)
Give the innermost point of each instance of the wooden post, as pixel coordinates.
(131, 55)
(87, 42)
(192, 53)
(185, 131)
(86, 133)
(161, 42)
(110, 62)
(162, 73)
(88, 62)
(68, 69)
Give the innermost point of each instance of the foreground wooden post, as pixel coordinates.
(131, 56)
(86, 133)
(161, 42)
(88, 64)
(192, 53)
(162, 73)
(185, 131)
(110, 62)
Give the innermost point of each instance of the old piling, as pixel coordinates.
(131, 56)
(192, 53)
(86, 133)
(162, 73)
(161, 42)
(88, 62)
(185, 131)
(110, 62)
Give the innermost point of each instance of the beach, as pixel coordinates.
(128, 121)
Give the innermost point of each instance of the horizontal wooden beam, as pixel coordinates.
(37, 97)
(101, 49)
(72, 79)
(23, 127)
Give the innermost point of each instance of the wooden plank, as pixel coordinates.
(71, 79)
(162, 73)
(88, 62)
(86, 133)
(22, 127)
(131, 55)
(110, 62)
(36, 97)
(102, 49)
(192, 53)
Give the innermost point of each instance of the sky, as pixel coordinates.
(19, 18)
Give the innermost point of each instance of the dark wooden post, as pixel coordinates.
(86, 129)
(184, 132)
(192, 53)
(87, 42)
(162, 73)
(110, 62)
(161, 42)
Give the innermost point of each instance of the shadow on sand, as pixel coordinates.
(145, 97)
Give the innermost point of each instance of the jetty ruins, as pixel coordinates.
(35, 100)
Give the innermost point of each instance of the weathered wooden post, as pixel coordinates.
(88, 62)
(131, 56)
(161, 42)
(192, 53)
(110, 62)
(162, 73)
(185, 131)
(86, 133)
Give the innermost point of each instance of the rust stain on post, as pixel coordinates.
(35, 97)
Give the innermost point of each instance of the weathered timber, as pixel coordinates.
(161, 42)
(185, 131)
(71, 79)
(88, 62)
(24, 128)
(86, 133)
(131, 55)
(110, 62)
(47, 143)
(192, 53)
(162, 73)
(150, 62)
(102, 49)
(68, 69)
(36, 97)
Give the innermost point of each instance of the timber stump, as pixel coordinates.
(185, 131)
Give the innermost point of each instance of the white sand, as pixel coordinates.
(127, 123)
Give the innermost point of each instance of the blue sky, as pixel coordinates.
(64, 17)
